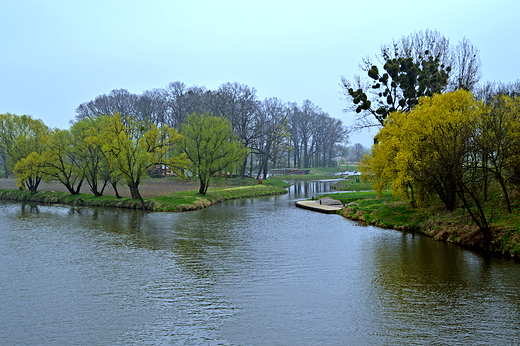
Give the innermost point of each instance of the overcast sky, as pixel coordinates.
(56, 54)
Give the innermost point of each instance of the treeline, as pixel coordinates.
(113, 149)
(454, 148)
(116, 138)
(276, 133)
(97, 151)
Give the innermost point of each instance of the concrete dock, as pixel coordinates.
(316, 206)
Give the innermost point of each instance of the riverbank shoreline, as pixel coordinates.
(178, 201)
(392, 213)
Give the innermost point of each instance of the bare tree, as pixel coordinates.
(420, 64)
(151, 106)
(313, 134)
(487, 91)
(416, 44)
(272, 141)
(358, 152)
(413, 66)
(176, 103)
(239, 104)
(118, 100)
(304, 122)
(467, 66)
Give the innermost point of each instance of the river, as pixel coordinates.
(245, 272)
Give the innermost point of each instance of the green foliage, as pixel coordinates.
(400, 87)
(210, 146)
(88, 142)
(22, 140)
(131, 147)
(29, 172)
(450, 147)
(352, 183)
(422, 151)
(61, 160)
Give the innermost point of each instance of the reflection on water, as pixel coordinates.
(245, 272)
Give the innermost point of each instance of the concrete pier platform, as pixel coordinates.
(316, 206)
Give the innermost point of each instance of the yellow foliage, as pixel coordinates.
(415, 149)
(29, 171)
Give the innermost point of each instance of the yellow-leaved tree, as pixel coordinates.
(434, 150)
(89, 140)
(20, 136)
(132, 146)
(62, 160)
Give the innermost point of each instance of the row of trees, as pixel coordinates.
(114, 149)
(275, 132)
(452, 146)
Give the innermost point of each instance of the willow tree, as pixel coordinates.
(21, 136)
(87, 135)
(61, 160)
(211, 146)
(132, 147)
(29, 172)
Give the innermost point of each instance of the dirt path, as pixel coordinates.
(149, 189)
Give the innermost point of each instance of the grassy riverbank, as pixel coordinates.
(456, 227)
(178, 201)
(352, 183)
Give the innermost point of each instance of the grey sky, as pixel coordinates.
(57, 54)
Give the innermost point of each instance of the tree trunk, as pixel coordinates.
(6, 168)
(134, 192)
(94, 187)
(485, 176)
(447, 192)
(114, 186)
(32, 185)
(506, 194)
(203, 188)
(479, 217)
(243, 167)
(251, 165)
(73, 191)
(95, 191)
(266, 169)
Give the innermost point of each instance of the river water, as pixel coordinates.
(246, 272)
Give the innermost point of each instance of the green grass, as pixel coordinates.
(352, 183)
(180, 201)
(192, 200)
(457, 227)
(386, 211)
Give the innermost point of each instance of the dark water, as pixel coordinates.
(246, 272)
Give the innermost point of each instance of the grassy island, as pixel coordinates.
(177, 201)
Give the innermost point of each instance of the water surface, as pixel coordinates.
(246, 272)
